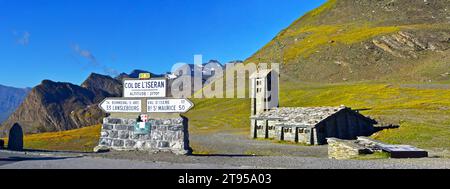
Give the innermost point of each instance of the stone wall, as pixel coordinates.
(261, 129)
(289, 134)
(270, 129)
(166, 135)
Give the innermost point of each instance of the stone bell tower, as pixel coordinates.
(264, 91)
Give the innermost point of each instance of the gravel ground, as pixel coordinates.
(123, 160)
(227, 151)
(229, 143)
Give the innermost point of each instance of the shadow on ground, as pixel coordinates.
(19, 158)
(221, 155)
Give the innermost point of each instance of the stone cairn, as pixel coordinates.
(165, 135)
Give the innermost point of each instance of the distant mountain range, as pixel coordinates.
(10, 99)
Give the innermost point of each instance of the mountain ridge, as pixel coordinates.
(60, 106)
(382, 40)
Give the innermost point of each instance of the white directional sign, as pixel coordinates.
(169, 105)
(144, 88)
(114, 105)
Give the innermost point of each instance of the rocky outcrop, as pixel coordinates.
(102, 86)
(408, 44)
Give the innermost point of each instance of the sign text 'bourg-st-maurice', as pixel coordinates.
(144, 88)
(169, 105)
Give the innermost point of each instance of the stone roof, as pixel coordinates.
(307, 117)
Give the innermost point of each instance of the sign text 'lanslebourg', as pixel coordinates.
(121, 106)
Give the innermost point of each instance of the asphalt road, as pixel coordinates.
(118, 160)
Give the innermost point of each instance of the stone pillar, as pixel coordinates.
(279, 133)
(165, 135)
(253, 129)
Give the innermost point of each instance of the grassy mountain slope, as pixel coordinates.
(77, 140)
(348, 40)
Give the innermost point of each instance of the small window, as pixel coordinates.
(258, 82)
(301, 130)
(287, 130)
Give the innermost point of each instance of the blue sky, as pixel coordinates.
(66, 40)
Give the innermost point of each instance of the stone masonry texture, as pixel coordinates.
(166, 135)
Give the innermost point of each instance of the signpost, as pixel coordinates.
(154, 88)
(145, 92)
(169, 105)
(145, 119)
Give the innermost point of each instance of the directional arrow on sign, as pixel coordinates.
(121, 105)
(169, 105)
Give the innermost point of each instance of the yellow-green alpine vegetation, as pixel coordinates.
(421, 110)
(77, 140)
(389, 59)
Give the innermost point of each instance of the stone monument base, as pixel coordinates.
(164, 135)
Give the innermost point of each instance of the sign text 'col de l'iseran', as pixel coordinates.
(152, 92)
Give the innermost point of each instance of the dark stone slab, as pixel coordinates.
(404, 151)
(15, 140)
